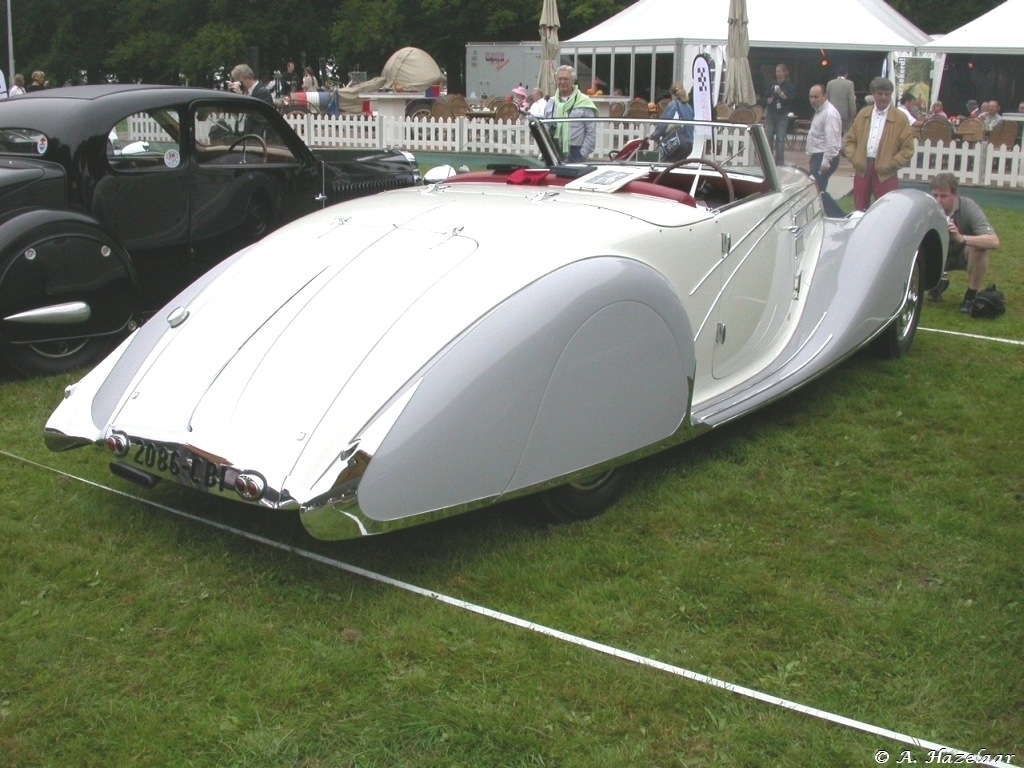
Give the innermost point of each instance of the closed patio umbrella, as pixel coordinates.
(739, 85)
(548, 47)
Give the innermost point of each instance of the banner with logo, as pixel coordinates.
(703, 78)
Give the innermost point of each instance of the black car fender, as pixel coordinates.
(591, 363)
(62, 275)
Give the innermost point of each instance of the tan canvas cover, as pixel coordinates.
(410, 69)
(413, 69)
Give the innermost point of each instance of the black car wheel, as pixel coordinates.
(69, 291)
(588, 497)
(258, 216)
(53, 358)
(895, 341)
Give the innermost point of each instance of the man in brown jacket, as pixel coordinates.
(879, 143)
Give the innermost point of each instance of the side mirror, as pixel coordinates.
(438, 174)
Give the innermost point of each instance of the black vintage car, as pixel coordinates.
(114, 197)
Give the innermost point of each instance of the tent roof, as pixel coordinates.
(997, 31)
(849, 24)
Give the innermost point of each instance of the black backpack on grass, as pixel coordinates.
(989, 303)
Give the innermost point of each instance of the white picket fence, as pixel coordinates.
(460, 134)
(468, 135)
(423, 134)
(976, 164)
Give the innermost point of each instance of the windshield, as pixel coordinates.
(736, 147)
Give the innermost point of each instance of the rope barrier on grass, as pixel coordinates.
(961, 334)
(935, 750)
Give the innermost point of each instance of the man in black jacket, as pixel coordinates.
(244, 81)
(779, 97)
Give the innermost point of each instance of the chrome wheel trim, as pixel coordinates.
(591, 482)
(906, 319)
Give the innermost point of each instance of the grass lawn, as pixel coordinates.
(854, 548)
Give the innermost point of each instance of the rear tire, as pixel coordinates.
(895, 341)
(586, 498)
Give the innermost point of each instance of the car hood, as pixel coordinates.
(283, 355)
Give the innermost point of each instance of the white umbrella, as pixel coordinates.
(739, 85)
(548, 47)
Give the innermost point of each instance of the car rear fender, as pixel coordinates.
(62, 276)
(587, 366)
(910, 220)
(878, 257)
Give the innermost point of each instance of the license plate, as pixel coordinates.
(181, 464)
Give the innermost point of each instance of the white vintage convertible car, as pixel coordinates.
(411, 355)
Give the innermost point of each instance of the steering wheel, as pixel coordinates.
(629, 149)
(244, 139)
(697, 161)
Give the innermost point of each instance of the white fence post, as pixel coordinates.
(1003, 166)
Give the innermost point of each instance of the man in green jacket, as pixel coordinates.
(879, 143)
(576, 140)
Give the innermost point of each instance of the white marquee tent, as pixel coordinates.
(993, 33)
(684, 28)
(859, 25)
(997, 31)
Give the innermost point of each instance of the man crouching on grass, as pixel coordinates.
(971, 237)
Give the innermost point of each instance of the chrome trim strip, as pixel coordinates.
(55, 314)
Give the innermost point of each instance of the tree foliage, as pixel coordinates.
(941, 18)
(165, 41)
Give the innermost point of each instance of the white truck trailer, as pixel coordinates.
(494, 69)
